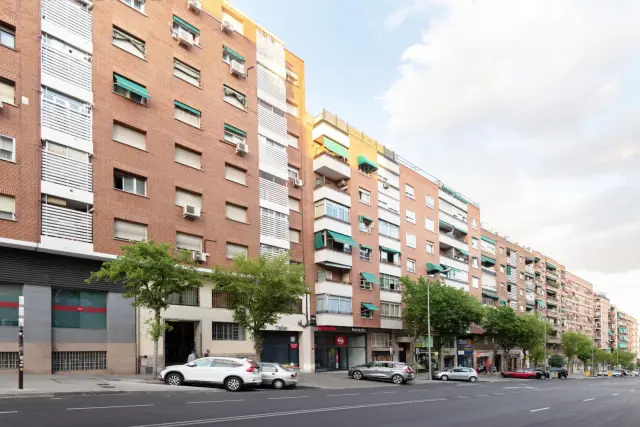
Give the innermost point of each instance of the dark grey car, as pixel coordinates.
(396, 372)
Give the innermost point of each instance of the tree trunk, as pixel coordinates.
(156, 321)
(257, 344)
(412, 360)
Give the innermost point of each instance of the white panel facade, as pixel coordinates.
(326, 192)
(390, 269)
(333, 288)
(324, 128)
(328, 223)
(389, 243)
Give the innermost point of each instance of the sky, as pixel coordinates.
(529, 108)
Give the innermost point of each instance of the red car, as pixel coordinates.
(523, 373)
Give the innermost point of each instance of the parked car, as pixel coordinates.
(396, 372)
(276, 375)
(233, 373)
(616, 373)
(562, 373)
(460, 373)
(603, 374)
(524, 374)
(542, 373)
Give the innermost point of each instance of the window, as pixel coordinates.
(388, 309)
(234, 97)
(130, 89)
(236, 25)
(236, 213)
(9, 298)
(474, 262)
(130, 231)
(521, 276)
(188, 242)
(188, 157)
(474, 224)
(430, 248)
(129, 136)
(475, 282)
(68, 152)
(7, 148)
(181, 29)
(410, 216)
(78, 309)
(294, 236)
(411, 240)
(487, 301)
(365, 284)
(229, 55)
(7, 36)
(224, 331)
(389, 230)
(294, 204)
(186, 72)
(333, 304)
(293, 172)
(292, 140)
(501, 251)
(292, 77)
(365, 313)
(365, 196)
(429, 201)
(7, 207)
(186, 197)
(128, 42)
(234, 174)
(270, 107)
(501, 268)
(186, 114)
(234, 135)
(389, 283)
(474, 243)
(365, 224)
(429, 224)
(136, 4)
(409, 191)
(332, 209)
(129, 183)
(365, 253)
(7, 91)
(234, 250)
(521, 260)
(292, 109)
(411, 265)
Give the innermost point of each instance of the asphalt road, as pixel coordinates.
(583, 403)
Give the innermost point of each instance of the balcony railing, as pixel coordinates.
(529, 269)
(488, 247)
(70, 15)
(272, 156)
(452, 241)
(488, 271)
(513, 295)
(274, 227)
(512, 259)
(272, 121)
(272, 192)
(64, 65)
(488, 282)
(66, 223)
(67, 115)
(65, 171)
(512, 276)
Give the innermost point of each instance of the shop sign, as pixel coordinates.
(326, 328)
(293, 345)
(358, 330)
(281, 328)
(341, 341)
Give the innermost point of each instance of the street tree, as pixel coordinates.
(532, 332)
(150, 273)
(574, 343)
(505, 328)
(260, 291)
(587, 354)
(556, 361)
(536, 355)
(603, 357)
(452, 311)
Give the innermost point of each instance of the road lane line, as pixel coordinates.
(216, 401)
(462, 397)
(482, 395)
(615, 394)
(539, 409)
(385, 392)
(589, 400)
(107, 407)
(284, 414)
(287, 397)
(498, 393)
(345, 394)
(9, 412)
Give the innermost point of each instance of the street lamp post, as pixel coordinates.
(21, 342)
(429, 329)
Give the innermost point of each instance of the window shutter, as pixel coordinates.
(129, 230)
(292, 140)
(188, 241)
(236, 213)
(234, 174)
(7, 92)
(7, 204)
(294, 204)
(235, 250)
(129, 136)
(184, 197)
(188, 157)
(294, 236)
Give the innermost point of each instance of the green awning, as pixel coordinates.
(552, 279)
(364, 218)
(371, 278)
(489, 294)
(318, 240)
(503, 302)
(537, 273)
(389, 250)
(540, 303)
(551, 266)
(446, 223)
(463, 252)
(564, 310)
(234, 130)
(334, 147)
(488, 260)
(336, 265)
(362, 160)
(526, 273)
(551, 291)
(528, 258)
(133, 87)
(186, 25)
(186, 107)
(434, 268)
(233, 53)
(366, 247)
(341, 238)
(551, 302)
(536, 259)
(488, 240)
(369, 306)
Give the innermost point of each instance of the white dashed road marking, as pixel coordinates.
(216, 401)
(539, 409)
(287, 397)
(589, 400)
(108, 407)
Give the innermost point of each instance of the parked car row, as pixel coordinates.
(396, 372)
(538, 373)
(619, 373)
(233, 373)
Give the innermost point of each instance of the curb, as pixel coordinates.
(18, 395)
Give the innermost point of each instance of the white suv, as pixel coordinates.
(231, 372)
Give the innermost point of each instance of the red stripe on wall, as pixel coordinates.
(79, 308)
(5, 304)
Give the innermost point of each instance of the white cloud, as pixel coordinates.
(531, 109)
(398, 17)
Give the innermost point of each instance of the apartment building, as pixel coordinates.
(625, 330)
(578, 305)
(603, 331)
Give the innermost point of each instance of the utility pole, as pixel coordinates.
(429, 328)
(21, 342)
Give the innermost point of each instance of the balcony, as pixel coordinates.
(449, 239)
(512, 275)
(329, 223)
(455, 275)
(66, 171)
(457, 220)
(330, 319)
(274, 193)
(333, 258)
(552, 274)
(329, 287)
(64, 223)
(530, 298)
(66, 69)
(331, 166)
(552, 283)
(69, 21)
(327, 191)
(530, 285)
(458, 263)
(529, 269)
(513, 295)
(487, 247)
(452, 200)
(488, 282)
(272, 159)
(272, 124)
(65, 119)
(456, 284)
(512, 259)
(488, 271)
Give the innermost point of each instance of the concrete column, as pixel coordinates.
(37, 329)
(306, 351)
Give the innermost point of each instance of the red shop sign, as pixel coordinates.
(341, 341)
(292, 345)
(326, 328)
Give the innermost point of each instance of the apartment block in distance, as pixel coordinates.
(173, 121)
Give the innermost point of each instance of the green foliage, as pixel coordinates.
(536, 355)
(603, 356)
(532, 332)
(623, 358)
(576, 344)
(504, 326)
(261, 289)
(556, 361)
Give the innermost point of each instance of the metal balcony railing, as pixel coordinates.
(512, 259)
(65, 171)
(272, 192)
(66, 223)
(66, 115)
(64, 65)
(70, 15)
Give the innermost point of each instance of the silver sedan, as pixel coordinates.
(277, 376)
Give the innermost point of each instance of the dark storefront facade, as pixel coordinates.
(281, 347)
(338, 348)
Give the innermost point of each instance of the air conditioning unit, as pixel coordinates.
(297, 182)
(226, 27)
(242, 149)
(237, 69)
(184, 37)
(342, 184)
(189, 211)
(385, 184)
(199, 256)
(195, 5)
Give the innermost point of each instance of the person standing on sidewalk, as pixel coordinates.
(192, 356)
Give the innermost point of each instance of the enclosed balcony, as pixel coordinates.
(331, 160)
(512, 274)
(66, 68)
(333, 250)
(455, 219)
(69, 21)
(65, 119)
(488, 245)
(274, 191)
(455, 258)
(66, 224)
(452, 237)
(512, 258)
(67, 167)
(488, 282)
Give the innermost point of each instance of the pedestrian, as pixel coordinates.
(206, 353)
(192, 356)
